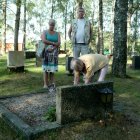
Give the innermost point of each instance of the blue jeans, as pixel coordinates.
(80, 49)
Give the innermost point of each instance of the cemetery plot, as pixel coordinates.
(33, 114)
(30, 108)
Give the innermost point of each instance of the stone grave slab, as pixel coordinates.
(76, 103)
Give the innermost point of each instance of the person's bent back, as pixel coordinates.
(88, 64)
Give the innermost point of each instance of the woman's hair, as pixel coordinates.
(51, 21)
(76, 64)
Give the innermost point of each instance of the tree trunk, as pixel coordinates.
(120, 38)
(40, 23)
(4, 5)
(65, 27)
(112, 27)
(100, 48)
(80, 3)
(24, 27)
(93, 13)
(52, 10)
(129, 26)
(98, 42)
(73, 12)
(135, 30)
(17, 22)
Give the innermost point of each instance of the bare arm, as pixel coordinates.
(87, 81)
(88, 75)
(76, 78)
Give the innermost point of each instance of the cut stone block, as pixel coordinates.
(68, 63)
(30, 54)
(76, 103)
(38, 61)
(136, 62)
(15, 59)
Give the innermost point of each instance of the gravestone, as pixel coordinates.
(136, 62)
(38, 61)
(30, 54)
(68, 63)
(39, 47)
(15, 61)
(76, 103)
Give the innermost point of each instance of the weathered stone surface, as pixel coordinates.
(75, 103)
(15, 59)
(15, 122)
(136, 62)
(38, 61)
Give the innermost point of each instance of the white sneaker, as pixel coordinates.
(52, 88)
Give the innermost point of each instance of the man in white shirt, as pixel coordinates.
(80, 34)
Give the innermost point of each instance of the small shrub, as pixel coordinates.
(51, 114)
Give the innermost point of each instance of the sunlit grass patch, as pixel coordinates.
(124, 124)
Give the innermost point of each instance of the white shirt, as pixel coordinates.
(80, 31)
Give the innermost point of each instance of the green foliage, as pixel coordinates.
(51, 114)
(1, 20)
(30, 6)
(30, 45)
(68, 46)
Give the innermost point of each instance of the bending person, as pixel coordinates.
(88, 64)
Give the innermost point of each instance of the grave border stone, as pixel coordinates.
(29, 133)
(24, 130)
(72, 106)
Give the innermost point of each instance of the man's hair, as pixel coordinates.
(80, 8)
(76, 64)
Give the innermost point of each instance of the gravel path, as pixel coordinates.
(31, 108)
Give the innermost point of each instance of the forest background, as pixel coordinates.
(115, 25)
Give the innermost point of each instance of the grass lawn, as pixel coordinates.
(125, 124)
(29, 81)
